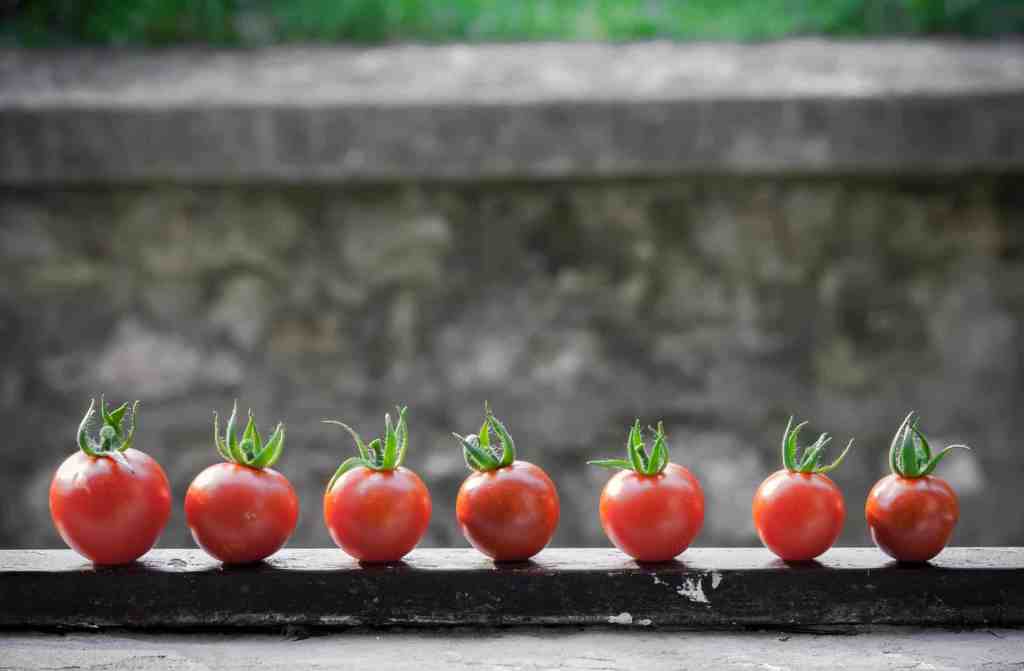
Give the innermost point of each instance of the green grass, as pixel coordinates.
(248, 22)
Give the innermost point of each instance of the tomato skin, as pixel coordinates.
(239, 514)
(798, 515)
(377, 516)
(911, 519)
(510, 513)
(652, 518)
(106, 512)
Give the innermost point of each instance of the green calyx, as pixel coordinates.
(639, 460)
(250, 451)
(809, 460)
(910, 455)
(113, 439)
(380, 454)
(480, 452)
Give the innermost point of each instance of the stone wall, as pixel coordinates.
(718, 304)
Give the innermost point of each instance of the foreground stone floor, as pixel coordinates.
(527, 649)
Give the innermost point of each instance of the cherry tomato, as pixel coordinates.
(110, 512)
(507, 509)
(375, 509)
(798, 515)
(377, 516)
(652, 518)
(798, 511)
(911, 519)
(242, 511)
(911, 513)
(110, 502)
(509, 513)
(651, 509)
(239, 514)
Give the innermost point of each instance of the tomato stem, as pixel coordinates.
(385, 454)
(638, 460)
(251, 451)
(910, 455)
(810, 459)
(113, 440)
(478, 451)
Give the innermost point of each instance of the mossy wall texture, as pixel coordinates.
(719, 305)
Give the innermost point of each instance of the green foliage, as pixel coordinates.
(253, 22)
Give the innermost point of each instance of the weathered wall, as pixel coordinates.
(719, 305)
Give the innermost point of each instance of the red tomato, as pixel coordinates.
(375, 509)
(911, 519)
(107, 511)
(651, 509)
(652, 518)
(508, 513)
(798, 515)
(911, 513)
(239, 514)
(242, 511)
(377, 516)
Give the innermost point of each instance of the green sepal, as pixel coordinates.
(839, 460)
(229, 432)
(477, 458)
(360, 445)
(84, 443)
(479, 451)
(612, 464)
(789, 444)
(381, 454)
(659, 453)
(345, 467)
(112, 439)
(810, 460)
(941, 455)
(250, 451)
(390, 443)
(908, 458)
(271, 452)
(638, 460)
(910, 455)
(402, 431)
(508, 446)
(222, 447)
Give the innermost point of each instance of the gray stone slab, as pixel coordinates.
(521, 649)
(510, 112)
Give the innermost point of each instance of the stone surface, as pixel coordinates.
(708, 587)
(719, 305)
(521, 649)
(510, 111)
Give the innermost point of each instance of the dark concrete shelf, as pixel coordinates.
(707, 587)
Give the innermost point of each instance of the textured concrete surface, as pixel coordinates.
(520, 649)
(720, 306)
(705, 587)
(510, 111)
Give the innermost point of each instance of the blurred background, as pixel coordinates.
(144, 256)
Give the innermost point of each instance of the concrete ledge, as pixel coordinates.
(510, 112)
(706, 588)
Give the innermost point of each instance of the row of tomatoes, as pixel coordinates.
(110, 502)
